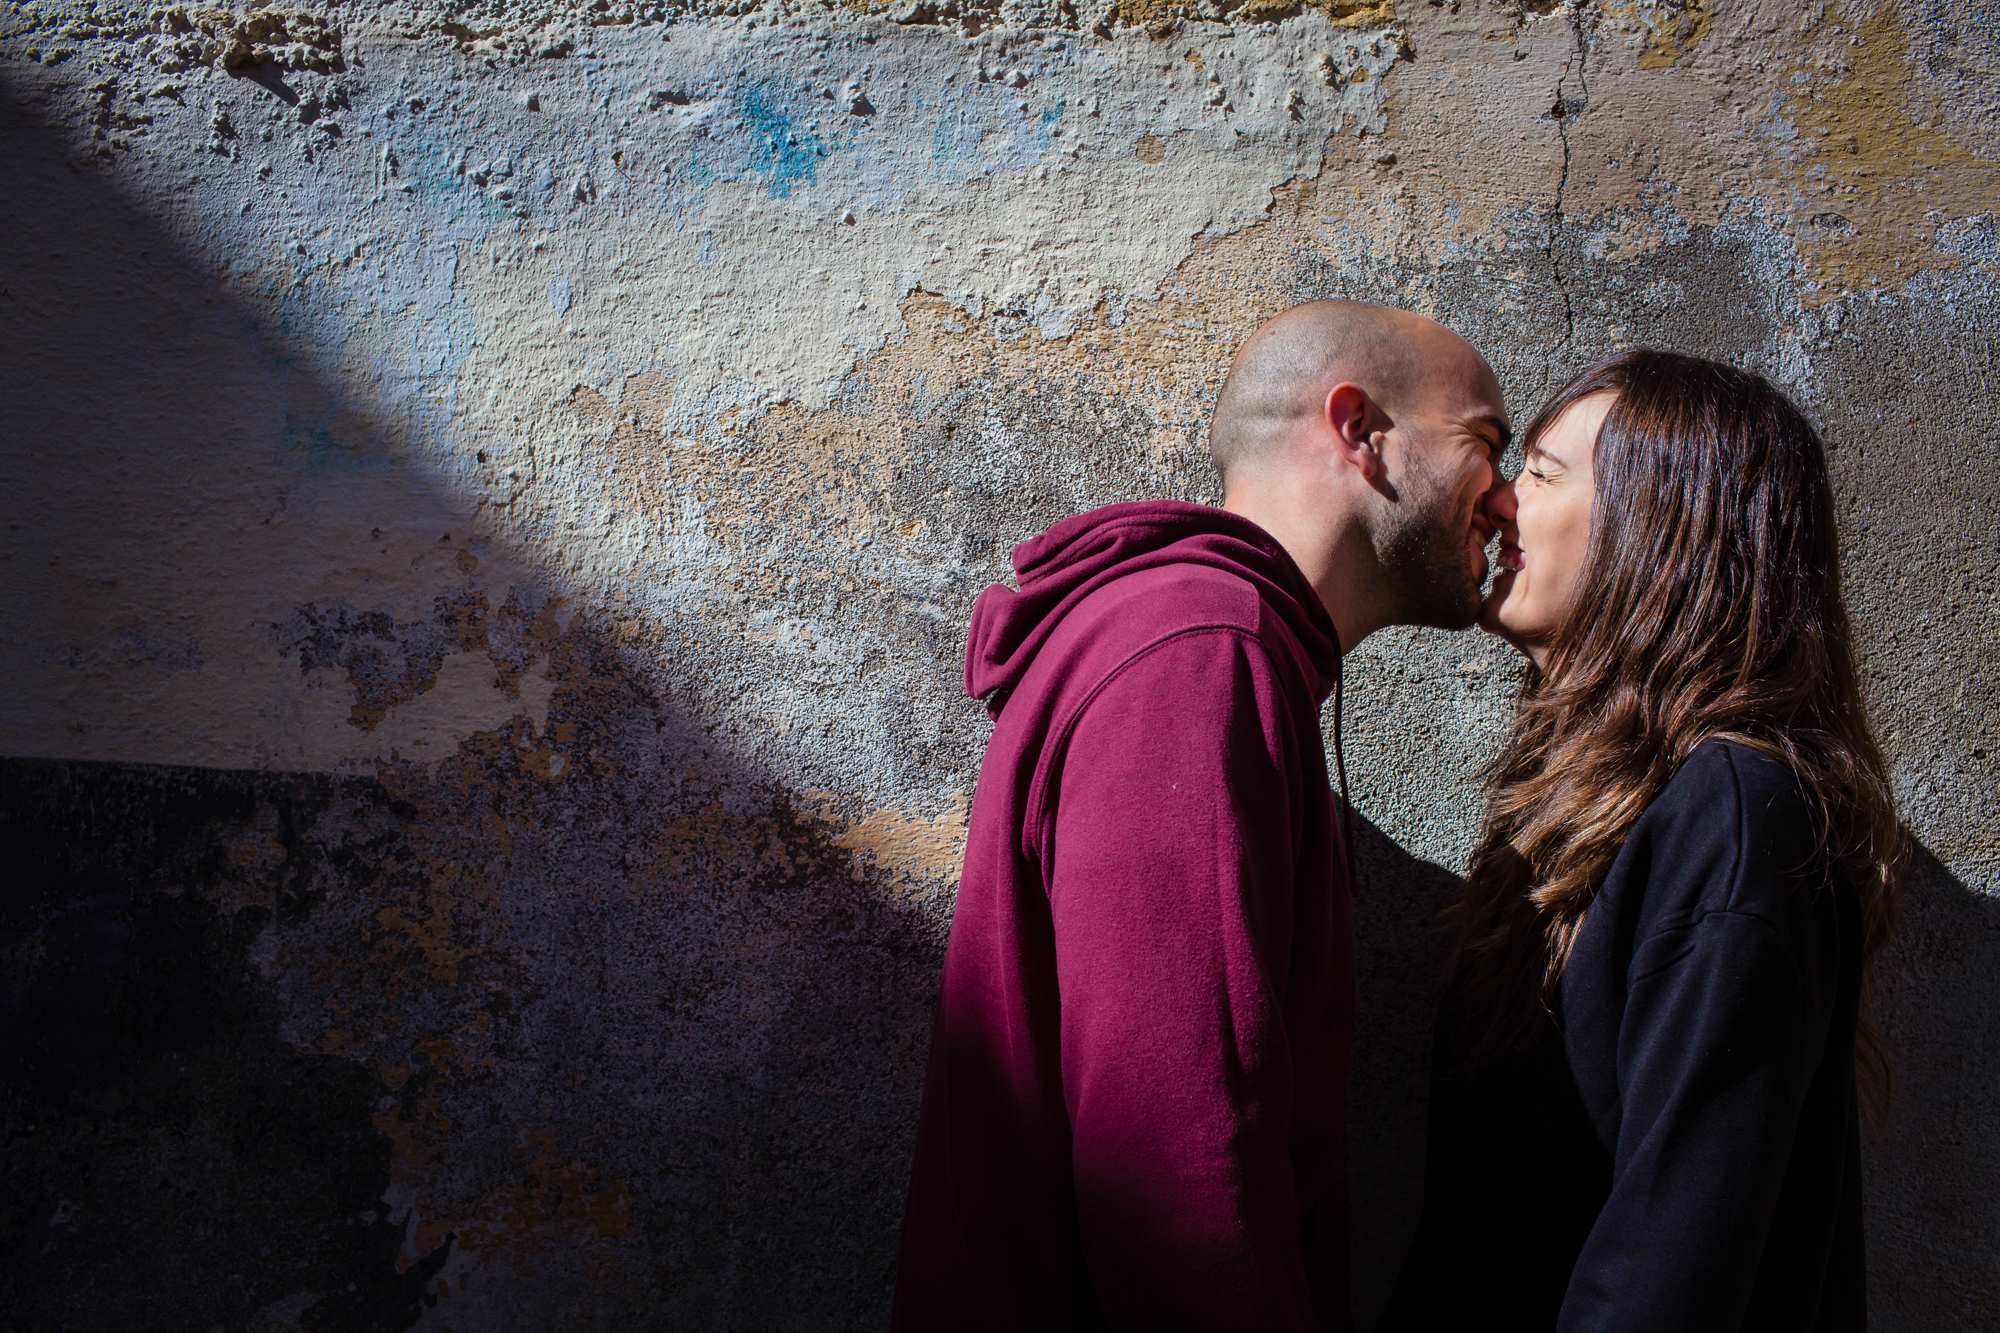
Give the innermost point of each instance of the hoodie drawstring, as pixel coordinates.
(1340, 767)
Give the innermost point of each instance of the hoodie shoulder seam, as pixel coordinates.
(1036, 809)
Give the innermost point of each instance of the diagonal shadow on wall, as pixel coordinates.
(1934, 1170)
(591, 1022)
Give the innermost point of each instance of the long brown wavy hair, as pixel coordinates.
(1708, 606)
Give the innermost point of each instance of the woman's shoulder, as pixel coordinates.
(1726, 778)
(1732, 824)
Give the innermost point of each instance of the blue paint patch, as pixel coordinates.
(683, 191)
(963, 138)
(778, 145)
(949, 153)
(310, 432)
(559, 295)
(426, 167)
(758, 131)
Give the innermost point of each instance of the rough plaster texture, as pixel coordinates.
(494, 495)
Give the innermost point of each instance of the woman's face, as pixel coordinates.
(1544, 521)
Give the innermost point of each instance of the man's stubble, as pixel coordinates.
(1427, 557)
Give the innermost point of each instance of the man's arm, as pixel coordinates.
(1173, 846)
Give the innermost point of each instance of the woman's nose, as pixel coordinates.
(1501, 503)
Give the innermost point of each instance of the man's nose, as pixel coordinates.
(1500, 502)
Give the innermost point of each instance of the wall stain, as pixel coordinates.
(1672, 29)
(415, 940)
(925, 848)
(1868, 180)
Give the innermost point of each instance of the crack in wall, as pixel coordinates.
(1563, 110)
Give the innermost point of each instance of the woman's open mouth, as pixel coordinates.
(1509, 558)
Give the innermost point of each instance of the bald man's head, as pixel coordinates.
(1281, 378)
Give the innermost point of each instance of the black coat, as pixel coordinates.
(1681, 1149)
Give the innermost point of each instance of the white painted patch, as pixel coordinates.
(765, 195)
(429, 727)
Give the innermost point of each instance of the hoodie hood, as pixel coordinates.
(1079, 555)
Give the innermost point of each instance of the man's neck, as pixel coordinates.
(1332, 550)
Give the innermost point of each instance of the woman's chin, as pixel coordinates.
(1496, 600)
(1493, 617)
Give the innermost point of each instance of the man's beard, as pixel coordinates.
(1427, 557)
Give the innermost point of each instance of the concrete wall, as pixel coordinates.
(494, 491)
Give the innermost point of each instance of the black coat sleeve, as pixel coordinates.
(1728, 999)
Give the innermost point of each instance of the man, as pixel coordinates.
(1133, 1116)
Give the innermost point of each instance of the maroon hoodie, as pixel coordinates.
(1133, 1115)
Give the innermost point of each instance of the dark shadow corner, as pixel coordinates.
(1934, 1170)
(1401, 948)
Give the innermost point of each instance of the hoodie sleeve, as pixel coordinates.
(1170, 859)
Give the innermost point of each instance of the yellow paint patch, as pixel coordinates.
(932, 848)
(1358, 13)
(431, 927)
(649, 395)
(553, 1200)
(1671, 30)
(549, 1202)
(1161, 18)
(1870, 181)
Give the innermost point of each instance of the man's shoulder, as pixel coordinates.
(1176, 610)
(1173, 609)
(1168, 601)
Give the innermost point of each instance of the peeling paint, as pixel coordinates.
(1867, 174)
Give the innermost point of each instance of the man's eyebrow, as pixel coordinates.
(1499, 427)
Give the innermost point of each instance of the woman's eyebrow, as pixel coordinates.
(1535, 449)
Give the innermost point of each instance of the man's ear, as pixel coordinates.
(1356, 422)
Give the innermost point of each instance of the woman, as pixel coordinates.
(1644, 1114)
